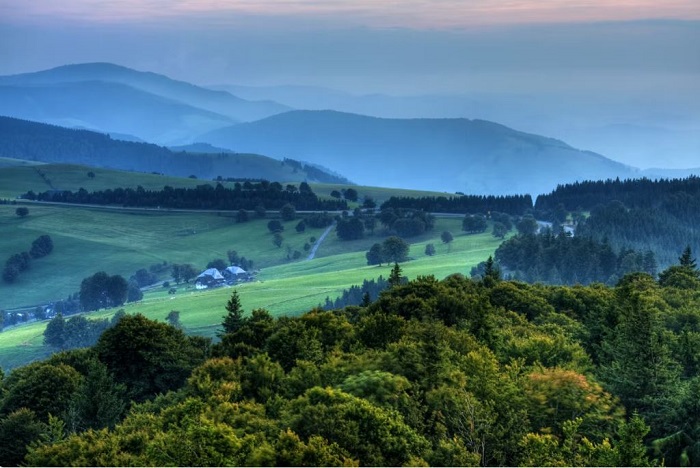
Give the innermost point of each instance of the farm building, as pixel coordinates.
(235, 274)
(209, 278)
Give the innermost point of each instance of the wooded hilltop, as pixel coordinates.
(457, 372)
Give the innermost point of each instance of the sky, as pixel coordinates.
(380, 45)
(645, 53)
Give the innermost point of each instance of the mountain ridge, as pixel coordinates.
(35, 141)
(447, 154)
(221, 102)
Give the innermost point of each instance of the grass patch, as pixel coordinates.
(284, 289)
(120, 242)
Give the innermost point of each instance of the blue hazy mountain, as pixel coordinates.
(220, 102)
(108, 107)
(471, 156)
(630, 125)
(33, 141)
(114, 99)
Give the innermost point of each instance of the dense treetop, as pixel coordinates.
(446, 373)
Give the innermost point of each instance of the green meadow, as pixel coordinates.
(288, 288)
(19, 176)
(121, 241)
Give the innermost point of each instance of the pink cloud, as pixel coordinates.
(371, 13)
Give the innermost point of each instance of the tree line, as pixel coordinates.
(634, 193)
(511, 204)
(246, 196)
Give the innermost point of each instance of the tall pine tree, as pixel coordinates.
(234, 319)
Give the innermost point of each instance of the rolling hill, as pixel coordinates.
(32, 141)
(109, 107)
(111, 98)
(471, 156)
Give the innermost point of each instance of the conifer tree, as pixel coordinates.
(492, 274)
(233, 320)
(395, 275)
(686, 259)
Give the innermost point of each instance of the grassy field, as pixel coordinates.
(284, 289)
(19, 176)
(91, 240)
(88, 240)
(18, 179)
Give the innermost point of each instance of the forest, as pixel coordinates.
(569, 260)
(453, 372)
(639, 214)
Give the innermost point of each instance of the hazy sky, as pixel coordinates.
(407, 46)
(621, 77)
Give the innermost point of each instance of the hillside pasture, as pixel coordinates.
(122, 241)
(288, 288)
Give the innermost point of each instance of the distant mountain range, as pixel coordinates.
(32, 141)
(627, 126)
(471, 156)
(110, 98)
(444, 154)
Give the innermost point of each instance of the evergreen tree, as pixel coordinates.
(395, 277)
(492, 274)
(641, 372)
(630, 449)
(686, 259)
(234, 319)
(366, 300)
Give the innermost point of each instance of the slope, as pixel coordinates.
(472, 156)
(109, 107)
(21, 139)
(219, 102)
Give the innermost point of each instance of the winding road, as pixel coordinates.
(318, 242)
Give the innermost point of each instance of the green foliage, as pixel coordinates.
(446, 237)
(395, 249)
(287, 212)
(17, 431)
(147, 356)
(54, 332)
(41, 247)
(474, 224)
(242, 216)
(277, 239)
(41, 387)
(101, 290)
(99, 402)
(377, 436)
(451, 372)
(350, 228)
(173, 319)
(274, 226)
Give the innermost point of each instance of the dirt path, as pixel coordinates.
(318, 242)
